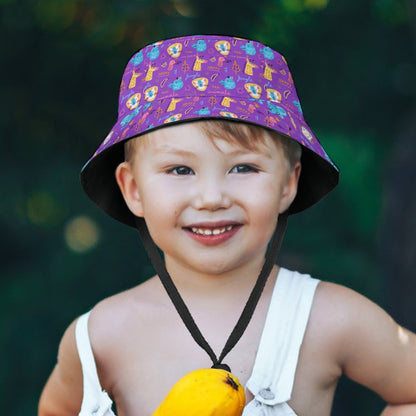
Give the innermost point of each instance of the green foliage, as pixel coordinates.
(393, 12)
(361, 160)
(62, 62)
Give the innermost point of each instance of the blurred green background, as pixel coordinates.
(62, 60)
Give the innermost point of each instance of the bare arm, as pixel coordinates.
(62, 394)
(404, 409)
(400, 410)
(375, 351)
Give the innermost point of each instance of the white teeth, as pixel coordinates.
(211, 231)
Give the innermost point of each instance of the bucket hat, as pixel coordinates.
(206, 77)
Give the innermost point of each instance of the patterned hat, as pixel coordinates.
(206, 77)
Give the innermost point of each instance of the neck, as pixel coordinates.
(195, 286)
(220, 298)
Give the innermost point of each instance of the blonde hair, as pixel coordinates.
(249, 136)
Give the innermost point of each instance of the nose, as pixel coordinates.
(212, 194)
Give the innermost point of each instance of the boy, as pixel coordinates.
(212, 193)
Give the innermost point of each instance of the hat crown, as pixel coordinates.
(207, 76)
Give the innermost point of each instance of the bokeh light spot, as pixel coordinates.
(316, 4)
(42, 209)
(81, 234)
(184, 8)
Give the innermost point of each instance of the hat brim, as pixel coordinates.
(318, 176)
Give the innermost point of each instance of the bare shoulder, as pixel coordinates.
(339, 315)
(330, 327)
(342, 308)
(119, 322)
(368, 345)
(121, 308)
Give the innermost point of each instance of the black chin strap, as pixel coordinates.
(183, 310)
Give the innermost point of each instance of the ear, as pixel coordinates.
(290, 188)
(129, 189)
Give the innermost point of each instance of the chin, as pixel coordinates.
(217, 267)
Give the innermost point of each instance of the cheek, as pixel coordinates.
(268, 219)
(265, 207)
(265, 196)
(161, 203)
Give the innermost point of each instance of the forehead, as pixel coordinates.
(201, 133)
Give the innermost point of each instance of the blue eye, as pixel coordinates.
(181, 170)
(243, 169)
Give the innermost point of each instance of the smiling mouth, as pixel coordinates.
(211, 231)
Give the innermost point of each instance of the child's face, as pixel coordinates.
(209, 204)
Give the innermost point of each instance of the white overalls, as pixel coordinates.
(271, 381)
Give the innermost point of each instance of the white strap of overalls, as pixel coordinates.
(275, 366)
(95, 401)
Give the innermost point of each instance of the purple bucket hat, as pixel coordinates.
(206, 77)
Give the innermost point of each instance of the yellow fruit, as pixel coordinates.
(205, 392)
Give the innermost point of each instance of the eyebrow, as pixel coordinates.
(173, 150)
(239, 151)
(243, 151)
